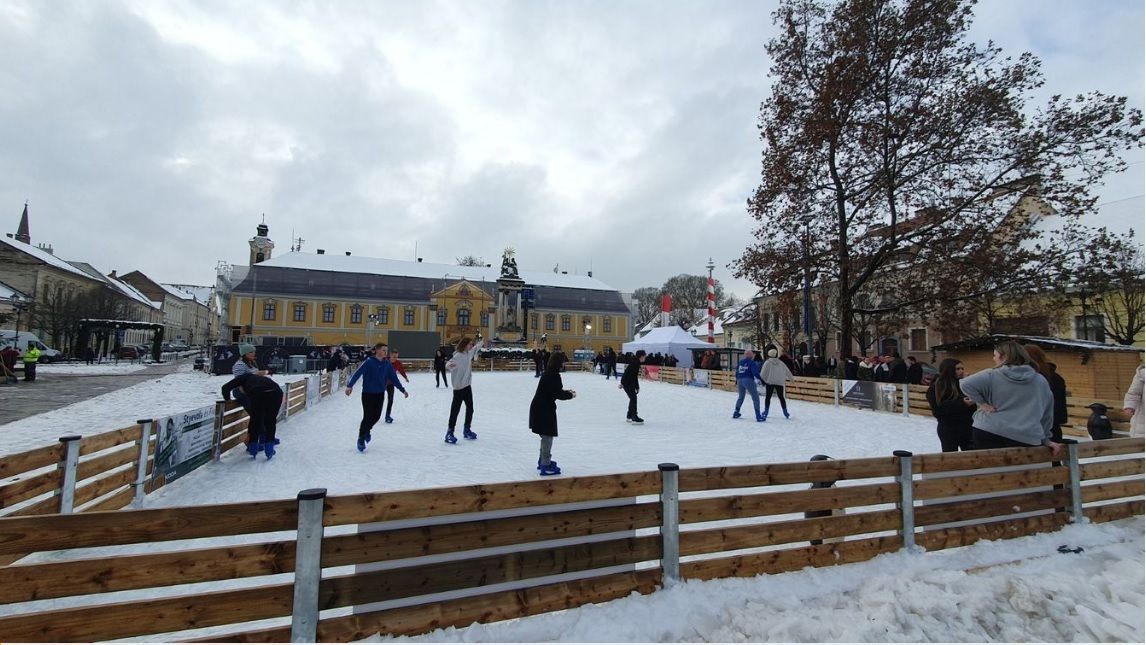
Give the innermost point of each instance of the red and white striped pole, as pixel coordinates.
(711, 303)
(666, 310)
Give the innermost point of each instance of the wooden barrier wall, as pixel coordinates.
(552, 544)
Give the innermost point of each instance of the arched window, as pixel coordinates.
(442, 315)
(464, 317)
(328, 313)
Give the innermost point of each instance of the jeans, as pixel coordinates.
(746, 386)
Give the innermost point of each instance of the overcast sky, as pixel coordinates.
(617, 136)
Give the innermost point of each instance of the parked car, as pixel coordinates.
(130, 352)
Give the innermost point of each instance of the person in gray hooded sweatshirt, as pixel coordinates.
(460, 366)
(1016, 407)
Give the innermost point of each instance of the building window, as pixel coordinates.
(607, 325)
(356, 315)
(408, 316)
(442, 315)
(918, 340)
(300, 312)
(464, 317)
(328, 313)
(383, 315)
(535, 321)
(566, 323)
(548, 322)
(1090, 328)
(485, 319)
(269, 312)
(775, 322)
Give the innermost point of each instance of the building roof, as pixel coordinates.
(1045, 342)
(406, 268)
(177, 293)
(43, 256)
(201, 294)
(122, 287)
(7, 291)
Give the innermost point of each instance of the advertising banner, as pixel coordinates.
(699, 378)
(312, 389)
(184, 442)
(653, 372)
(860, 394)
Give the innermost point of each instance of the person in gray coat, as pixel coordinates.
(1015, 404)
(775, 374)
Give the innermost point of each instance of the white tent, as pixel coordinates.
(669, 340)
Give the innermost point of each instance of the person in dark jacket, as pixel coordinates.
(1057, 385)
(747, 375)
(851, 368)
(400, 370)
(610, 363)
(1098, 426)
(440, 369)
(952, 411)
(914, 371)
(897, 369)
(337, 360)
(265, 397)
(631, 385)
(376, 372)
(543, 413)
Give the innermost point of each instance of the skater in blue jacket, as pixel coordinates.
(376, 372)
(747, 374)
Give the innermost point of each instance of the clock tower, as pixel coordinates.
(261, 245)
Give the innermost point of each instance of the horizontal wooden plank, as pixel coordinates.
(1118, 468)
(803, 472)
(23, 489)
(710, 509)
(1112, 490)
(45, 506)
(781, 560)
(948, 538)
(20, 583)
(431, 502)
(472, 573)
(105, 440)
(989, 482)
(114, 502)
(463, 536)
(1116, 511)
(979, 508)
(95, 488)
(144, 617)
(787, 531)
(1125, 446)
(22, 462)
(54, 532)
(93, 466)
(976, 459)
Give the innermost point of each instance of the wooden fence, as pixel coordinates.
(347, 567)
(820, 390)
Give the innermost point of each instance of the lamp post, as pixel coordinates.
(808, 291)
(711, 301)
(20, 306)
(588, 328)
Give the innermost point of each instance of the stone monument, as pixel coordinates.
(509, 327)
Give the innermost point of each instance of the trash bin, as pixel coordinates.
(296, 364)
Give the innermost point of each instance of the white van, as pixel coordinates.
(8, 337)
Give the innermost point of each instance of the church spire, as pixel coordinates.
(22, 233)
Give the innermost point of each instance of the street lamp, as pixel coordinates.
(588, 328)
(808, 290)
(20, 306)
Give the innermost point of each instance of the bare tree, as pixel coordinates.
(648, 301)
(471, 261)
(1110, 283)
(689, 294)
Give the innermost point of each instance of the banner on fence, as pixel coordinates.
(861, 394)
(888, 397)
(312, 389)
(184, 442)
(699, 378)
(653, 372)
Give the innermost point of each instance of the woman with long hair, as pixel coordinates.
(543, 413)
(460, 367)
(1016, 407)
(1043, 366)
(952, 410)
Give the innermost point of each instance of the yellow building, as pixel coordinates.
(326, 299)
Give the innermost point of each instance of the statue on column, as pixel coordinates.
(508, 264)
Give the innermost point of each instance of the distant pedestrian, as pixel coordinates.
(747, 374)
(375, 372)
(543, 413)
(610, 363)
(631, 385)
(460, 366)
(952, 410)
(246, 362)
(440, 369)
(264, 397)
(400, 370)
(775, 374)
(31, 357)
(89, 355)
(337, 360)
(914, 371)
(1057, 384)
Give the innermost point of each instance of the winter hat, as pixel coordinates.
(772, 353)
(1098, 407)
(245, 348)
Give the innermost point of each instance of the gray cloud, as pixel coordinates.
(152, 136)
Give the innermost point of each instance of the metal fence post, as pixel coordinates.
(141, 471)
(907, 498)
(68, 465)
(906, 400)
(670, 522)
(836, 385)
(220, 413)
(308, 566)
(1075, 482)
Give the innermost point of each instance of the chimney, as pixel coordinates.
(322, 251)
(348, 253)
(590, 274)
(419, 259)
(112, 274)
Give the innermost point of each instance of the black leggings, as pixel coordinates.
(632, 392)
(264, 413)
(779, 390)
(440, 372)
(954, 438)
(389, 401)
(465, 395)
(371, 411)
(983, 440)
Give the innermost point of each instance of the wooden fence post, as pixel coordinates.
(1075, 481)
(308, 566)
(836, 392)
(670, 522)
(141, 470)
(68, 465)
(907, 498)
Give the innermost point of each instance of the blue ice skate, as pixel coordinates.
(450, 438)
(469, 434)
(550, 469)
(736, 414)
(269, 450)
(361, 444)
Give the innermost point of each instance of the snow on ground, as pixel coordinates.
(1011, 590)
(95, 369)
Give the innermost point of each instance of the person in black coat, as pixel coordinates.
(631, 385)
(440, 369)
(265, 397)
(952, 411)
(897, 370)
(1057, 387)
(914, 371)
(543, 413)
(851, 368)
(610, 363)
